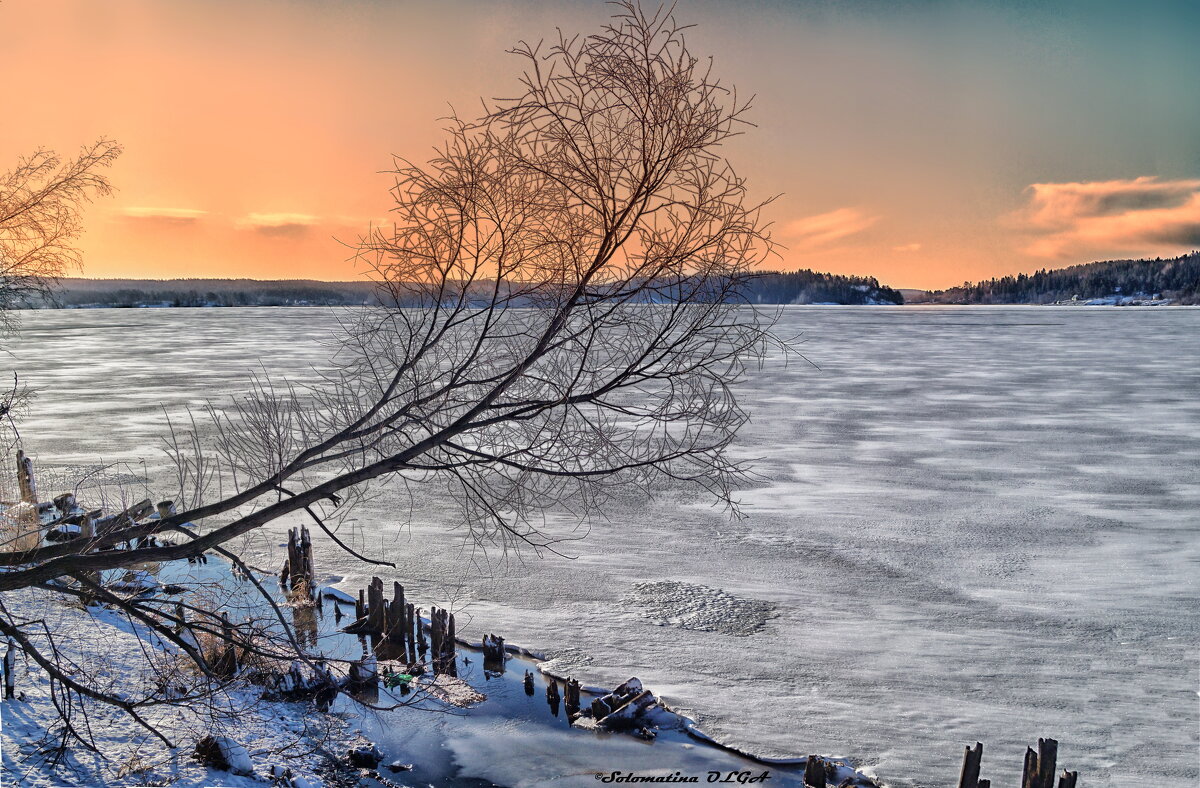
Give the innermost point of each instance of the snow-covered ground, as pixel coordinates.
(975, 524)
(280, 735)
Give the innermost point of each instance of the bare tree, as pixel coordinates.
(40, 218)
(562, 319)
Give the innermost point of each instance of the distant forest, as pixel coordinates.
(770, 287)
(77, 293)
(811, 287)
(1176, 279)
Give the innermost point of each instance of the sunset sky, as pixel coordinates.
(924, 143)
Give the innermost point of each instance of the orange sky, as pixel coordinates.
(925, 144)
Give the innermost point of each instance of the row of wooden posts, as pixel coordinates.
(1038, 771)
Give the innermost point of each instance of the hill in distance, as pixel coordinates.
(1175, 280)
(770, 287)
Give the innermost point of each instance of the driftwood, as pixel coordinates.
(114, 522)
(65, 504)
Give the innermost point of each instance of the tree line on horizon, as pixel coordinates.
(768, 287)
(1176, 278)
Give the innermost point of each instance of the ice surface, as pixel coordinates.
(688, 606)
(977, 524)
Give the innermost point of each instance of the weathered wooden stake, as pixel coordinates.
(493, 653)
(552, 695)
(1038, 771)
(572, 699)
(1047, 760)
(376, 607)
(435, 637)
(814, 772)
(397, 615)
(410, 636)
(972, 760)
(1068, 779)
(10, 669)
(25, 479)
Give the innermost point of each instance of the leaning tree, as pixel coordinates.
(560, 317)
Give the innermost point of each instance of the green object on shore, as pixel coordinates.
(396, 679)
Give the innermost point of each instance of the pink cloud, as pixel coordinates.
(284, 225)
(813, 232)
(162, 216)
(1137, 216)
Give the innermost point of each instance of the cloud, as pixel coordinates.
(907, 248)
(282, 225)
(813, 232)
(163, 216)
(1135, 216)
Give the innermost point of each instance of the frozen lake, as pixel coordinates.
(974, 523)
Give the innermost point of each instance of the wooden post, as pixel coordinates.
(435, 637)
(10, 669)
(306, 557)
(1029, 772)
(410, 635)
(493, 654)
(376, 607)
(552, 695)
(25, 479)
(397, 615)
(1047, 759)
(814, 772)
(292, 564)
(572, 704)
(1068, 779)
(422, 642)
(528, 683)
(449, 655)
(227, 662)
(972, 759)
